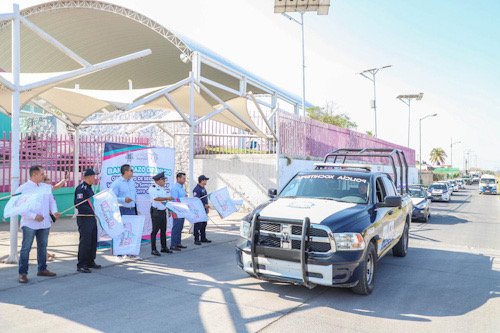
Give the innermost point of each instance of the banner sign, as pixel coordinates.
(23, 202)
(191, 209)
(129, 241)
(146, 162)
(107, 211)
(223, 203)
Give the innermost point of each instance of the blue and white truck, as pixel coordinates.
(330, 226)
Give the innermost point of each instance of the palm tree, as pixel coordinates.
(438, 156)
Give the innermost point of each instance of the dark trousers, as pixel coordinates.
(199, 231)
(176, 233)
(159, 221)
(42, 237)
(87, 227)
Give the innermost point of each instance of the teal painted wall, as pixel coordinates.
(4, 124)
(64, 198)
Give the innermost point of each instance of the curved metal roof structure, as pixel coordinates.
(98, 31)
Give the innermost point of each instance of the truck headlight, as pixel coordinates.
(349, 241)
(246, 230)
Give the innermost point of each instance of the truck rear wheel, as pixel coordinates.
(366, 281)
(401, 248)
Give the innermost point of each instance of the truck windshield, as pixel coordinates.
(487, 181)
(417, 193)
(353, 189)
(437, 187)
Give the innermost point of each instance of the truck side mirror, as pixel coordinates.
(272, 192)
(391, 201)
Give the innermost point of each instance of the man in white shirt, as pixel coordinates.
(36, 223)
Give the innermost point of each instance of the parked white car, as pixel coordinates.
(439, 192)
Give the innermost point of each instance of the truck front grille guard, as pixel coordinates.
(306, 223)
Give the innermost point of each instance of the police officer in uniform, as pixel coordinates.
(87, 224)
(157, 194)
(200, 235)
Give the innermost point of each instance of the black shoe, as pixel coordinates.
(175, 249)
(181, 246)
(165, 250)
(197, 243)
(84, 270)
(206, 241)
(155, 253)
(95, 266)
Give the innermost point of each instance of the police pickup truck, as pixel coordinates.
(331, 225)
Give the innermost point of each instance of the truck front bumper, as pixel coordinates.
(339, 269)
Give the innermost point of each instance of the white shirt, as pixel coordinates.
(156, 191)
(48, 206)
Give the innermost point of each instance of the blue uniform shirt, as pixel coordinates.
(125, 188)
(178, 192)
(201, 192)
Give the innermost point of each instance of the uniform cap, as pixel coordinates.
(88, 172)
(202, 178)
(159, 176)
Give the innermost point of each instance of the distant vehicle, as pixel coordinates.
(454, 183)
(439, 192)
(475, 177)
(461, 183)
(421, 204)
(488, 184)
(449, 185)
(468, 180)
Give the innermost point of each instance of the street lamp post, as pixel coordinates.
(283, 7)
(420, 144)
(451, 150)
(373, 72)
(407, 100)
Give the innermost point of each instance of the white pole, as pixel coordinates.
(76, 161)
(409, 117)
(191, 133)
(278, 146)
(303, 67)
(15, 127)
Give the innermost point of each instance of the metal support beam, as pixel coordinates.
(15, 127)
(191, 134)
(131, 122)
(86, 70)
(45, 36)
(166, 131)
(157, 94)
(210, 115)
(178, 109)
(76, 161)
(263, 115)
(230, 109)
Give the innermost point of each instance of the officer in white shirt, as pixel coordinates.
(158, 195)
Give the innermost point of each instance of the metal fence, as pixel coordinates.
(301, 138)
(56, 154)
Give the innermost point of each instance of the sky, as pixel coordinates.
(447, 49)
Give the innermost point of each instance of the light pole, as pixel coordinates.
(373, 72)
(420, 144)
(407, 100)
(451, 150)
(283, 7)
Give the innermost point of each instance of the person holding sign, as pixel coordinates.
(178, 192)
(158, 195)
(200, 191)
(87, 224)
(36, 222)
(124, 189)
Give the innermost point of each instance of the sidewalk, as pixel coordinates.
(63, 242)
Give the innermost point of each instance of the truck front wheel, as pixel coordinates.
(366, 281)
(401, 248)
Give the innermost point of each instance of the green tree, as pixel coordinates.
(329, 115)
(438, 156)
(369, 133)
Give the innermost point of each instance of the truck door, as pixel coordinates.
(385, 217)
(397, 212)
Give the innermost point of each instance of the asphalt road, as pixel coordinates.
(449, 282)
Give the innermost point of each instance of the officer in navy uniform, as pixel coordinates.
(200, 235)
(87, 224)
(158, 194)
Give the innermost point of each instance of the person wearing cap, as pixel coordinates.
(87, 224)
(200, 191)
(158, 195)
